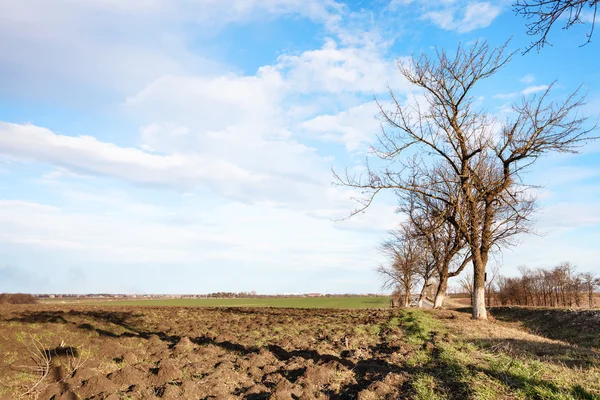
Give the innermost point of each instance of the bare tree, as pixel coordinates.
(466, 284)
(491, 276)
(590, 282)
(453, 145)
(445, 245)
(560, 286)
(406, 259)
(545, 13)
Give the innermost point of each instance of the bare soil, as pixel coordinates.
(67, 352)
(194, 353)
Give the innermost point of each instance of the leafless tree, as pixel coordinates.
(590, 282)
(543, 14)
(466, 284)
(491, 276)
(442, 241)
(406, 258)
(448, 143)
(560, 286)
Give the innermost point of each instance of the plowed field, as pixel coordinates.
(84, 352)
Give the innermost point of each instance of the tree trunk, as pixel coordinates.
(422, 294)
(407, 299)
(440, 294)
(479, 311)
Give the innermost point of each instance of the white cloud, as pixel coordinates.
(394, 4)
(209, 103)
(527, 79)
(57, 48)
(254, 121)
(233, 134)
(354, 127)
(505, 95)
(253, 172)
(218, 234)
(332, 74)
(461, 17)
(525, 92)
(86, 154)
(333, 69)
(533, 89)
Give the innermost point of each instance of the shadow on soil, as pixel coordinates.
(578, 327)
(561, 354)
(450, 376)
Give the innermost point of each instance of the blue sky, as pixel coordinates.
(186, 146)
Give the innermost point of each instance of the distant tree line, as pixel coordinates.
(17, 298)
(253, 294)
(561, 286)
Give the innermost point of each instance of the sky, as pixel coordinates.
(187, 146)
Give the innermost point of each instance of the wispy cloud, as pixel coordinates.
(460, 16)
(525, 92)
(534, 89)
(504, 96)
(527, 79)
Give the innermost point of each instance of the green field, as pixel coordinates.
(303, 302)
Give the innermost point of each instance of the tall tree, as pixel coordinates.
(543, 14)
(447, 142)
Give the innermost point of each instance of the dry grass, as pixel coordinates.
(519, 363)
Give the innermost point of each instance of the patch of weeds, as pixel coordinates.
(418, 326)
(106, 367)
(25, 378)
(93, 334)
(460, 376)
(374, 330)
(393, 323)
(10, 357)
(495, 374)
(484, 387)
(424, 388)
(419, 358)
(525, 377)
(20, 337)
(360, 330)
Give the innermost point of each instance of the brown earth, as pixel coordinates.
(197, 353)
(66, 352)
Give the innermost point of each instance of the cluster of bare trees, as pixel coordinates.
(410, 265)
(458, 171)
(561, 286)
(17, 298)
